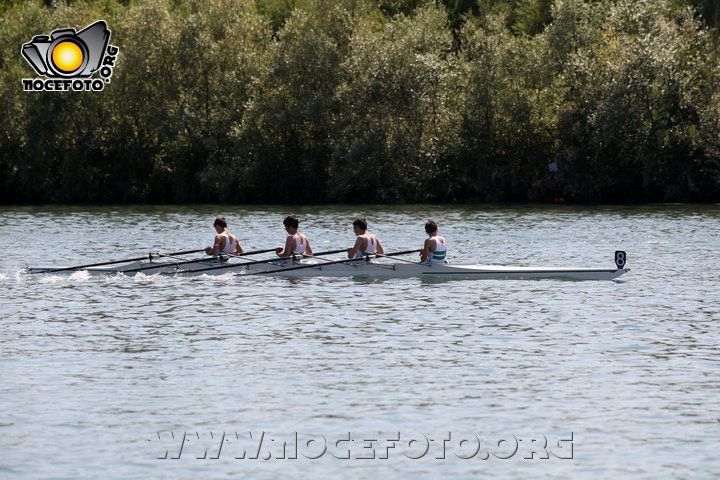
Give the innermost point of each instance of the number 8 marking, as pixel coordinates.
(620, 259)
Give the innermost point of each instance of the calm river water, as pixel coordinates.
(117, 377)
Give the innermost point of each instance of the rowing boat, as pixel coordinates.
(374, 267)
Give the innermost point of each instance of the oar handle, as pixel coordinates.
(253, 252)
(404, 252)
(380, 255)
(329, 252)
(184, 252)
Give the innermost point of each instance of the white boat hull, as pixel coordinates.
(317, 268)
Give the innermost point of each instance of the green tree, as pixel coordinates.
(282, 139)
(217, 51)
(630, 100)
(507, 113)
(394, 131)
(531, 16)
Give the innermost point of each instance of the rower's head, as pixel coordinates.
(431, 227)
(291, 223)
(220, 224)
(360, 226)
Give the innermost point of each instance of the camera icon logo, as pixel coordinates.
(66, 53)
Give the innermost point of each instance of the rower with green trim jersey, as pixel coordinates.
(434, 249)
(366, 243)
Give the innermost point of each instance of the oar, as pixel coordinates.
(150, 255)
(347, 260)
(380, 255)
(197, 260)
(236, 265)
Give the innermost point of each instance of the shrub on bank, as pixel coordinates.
(315, 101)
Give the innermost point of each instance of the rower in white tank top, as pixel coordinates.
(230, 243)
(296, 243)
(300, 243)
(370, 248)
(366, 243)
(434, 249)
(438, 256)
(224, 242)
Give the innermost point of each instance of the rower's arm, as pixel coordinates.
(308, 249)
(217, 246)
(238, 248)
(358, 247)
(379, 248)
(289, 247)
(425, 252)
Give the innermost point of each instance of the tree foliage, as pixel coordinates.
(357, 100)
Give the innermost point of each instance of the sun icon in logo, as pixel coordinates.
(67, 56)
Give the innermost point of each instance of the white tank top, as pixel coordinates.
(438, 256)
(371, 247)
(300, 243)
(230, 245)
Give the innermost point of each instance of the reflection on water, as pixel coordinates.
(93, 367)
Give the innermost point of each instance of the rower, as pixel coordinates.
(366, 242)
(225, 242)
(434, 250)
(296, 243)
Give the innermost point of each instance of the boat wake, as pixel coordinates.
(224, 278)
(22, 277)
(142, 278)
(53, 279)
(81, 276)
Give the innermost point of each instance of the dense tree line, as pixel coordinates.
(361, 101)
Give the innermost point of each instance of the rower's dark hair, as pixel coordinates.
(291, 221)
(360, 223)
(430, 227)
(220, 221)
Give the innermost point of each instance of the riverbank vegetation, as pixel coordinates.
(371, 101)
